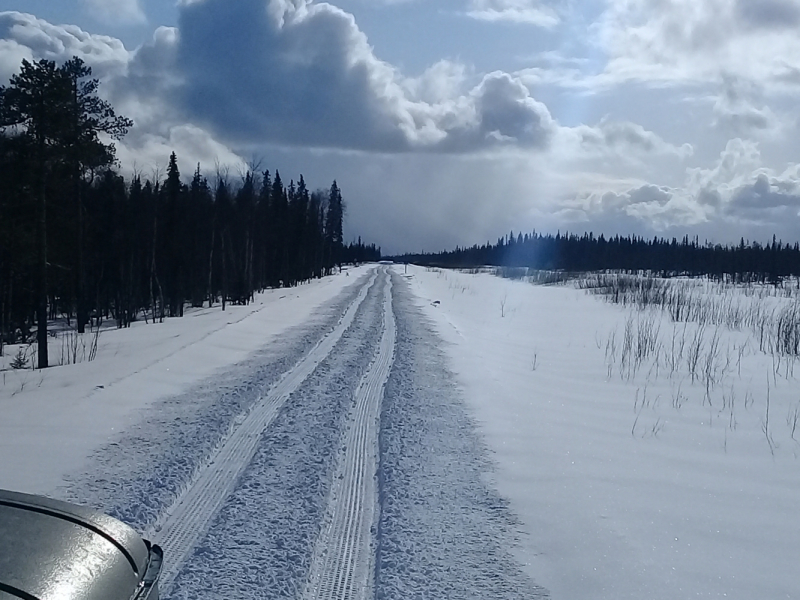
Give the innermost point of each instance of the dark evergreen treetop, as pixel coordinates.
(59, 110)
(55, 118)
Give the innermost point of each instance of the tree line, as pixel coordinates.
(80, 242)
(747, 261)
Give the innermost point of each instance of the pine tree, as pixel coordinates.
(144, 247)
(333, 227)
(279, 208)
(61, 116)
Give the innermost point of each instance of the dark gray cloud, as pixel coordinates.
(650, 194)
(769, 14)
(737, 107)
(296, 83)
(507, 111)
(286, 72)
(499, 111)
(628, 138)
(300, 73)
(148, 92)
(647, 202)
(761, 196)
(297, 73)
(709, 197)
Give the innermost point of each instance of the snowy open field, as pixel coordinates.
(631, 479)
(435, 434)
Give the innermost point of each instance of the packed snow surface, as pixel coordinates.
(631, 481)
(444, 532)
(261, 542)
(417, 433)
(336, 460)
(53, 420)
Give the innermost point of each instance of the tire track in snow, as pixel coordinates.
(261, 542)
(343, 560)
(182, 524)
(147, 465)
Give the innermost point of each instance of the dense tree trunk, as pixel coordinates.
(224, 272)
(82, 316)
(41, 312)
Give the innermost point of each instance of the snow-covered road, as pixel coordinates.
(300, 447)
(338, 464)
(181, 524)
(343, 560)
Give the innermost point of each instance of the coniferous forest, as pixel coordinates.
(743, 262)
(80, 242)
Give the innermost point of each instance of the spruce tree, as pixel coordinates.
(333, 227)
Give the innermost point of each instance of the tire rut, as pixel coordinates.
(344, 555)
(260, 542)
(186, 520)
(443, 530)
(147, 465)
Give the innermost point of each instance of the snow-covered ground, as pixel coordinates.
(529, 442)
(52, 420)
(444, 531)
(631, 482)
(327, 454)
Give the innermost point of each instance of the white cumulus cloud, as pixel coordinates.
(311, 78)
(532, 12)
(25, 36)
(679, 41)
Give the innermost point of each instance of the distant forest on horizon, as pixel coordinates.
(747, 261)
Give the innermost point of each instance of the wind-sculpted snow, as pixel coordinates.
(260, 543)
(443, 532)
(159, 454)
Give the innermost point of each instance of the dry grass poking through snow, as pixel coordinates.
(649, 447)
(732, 348)
(729, 348)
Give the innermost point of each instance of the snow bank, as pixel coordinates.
(643, 485)
(443, 532)
(52, 420)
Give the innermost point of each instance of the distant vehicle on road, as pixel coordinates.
(51, 550)
(386, 262)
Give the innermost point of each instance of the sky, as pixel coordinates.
(453, 122)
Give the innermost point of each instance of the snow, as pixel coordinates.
(53, 420)
(520, 452)
(444, 531)
(626, 487)
(284, 489)
(435, 527)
